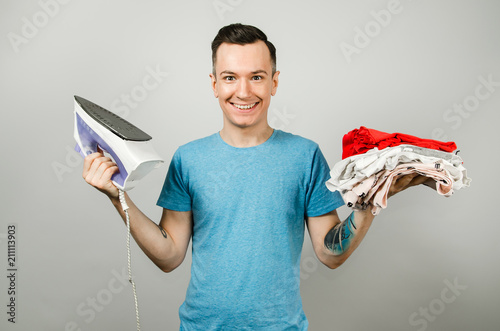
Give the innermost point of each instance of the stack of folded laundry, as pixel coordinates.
(372, 160)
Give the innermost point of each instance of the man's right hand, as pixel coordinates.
(97, 171)
(156, 241)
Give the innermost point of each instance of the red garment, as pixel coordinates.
(362, 140)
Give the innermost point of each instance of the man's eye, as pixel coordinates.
(257, 77)
(229, 78)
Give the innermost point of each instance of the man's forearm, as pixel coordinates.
(346, 236)
(338, 239)
(151, 238)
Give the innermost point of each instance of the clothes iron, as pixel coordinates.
(128, 146)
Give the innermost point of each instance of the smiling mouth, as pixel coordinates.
(245, 107)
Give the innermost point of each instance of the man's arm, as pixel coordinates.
(165, 244)
(334, 241)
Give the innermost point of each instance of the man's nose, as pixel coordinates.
(244, 89)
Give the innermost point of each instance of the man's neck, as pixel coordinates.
(245, 137)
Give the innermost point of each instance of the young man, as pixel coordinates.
(244, 195)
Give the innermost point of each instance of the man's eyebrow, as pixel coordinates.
(229, 72)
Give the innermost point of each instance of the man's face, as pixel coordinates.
(244, 83)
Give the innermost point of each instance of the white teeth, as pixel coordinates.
(243, 107)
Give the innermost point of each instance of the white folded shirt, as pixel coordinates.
(352, 170)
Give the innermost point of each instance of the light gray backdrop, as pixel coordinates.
(427, 68)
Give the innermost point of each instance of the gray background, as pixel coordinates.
(405, 78)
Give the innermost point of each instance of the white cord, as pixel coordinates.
(125, 209)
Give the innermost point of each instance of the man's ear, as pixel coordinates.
(275, 83)
(214, 84)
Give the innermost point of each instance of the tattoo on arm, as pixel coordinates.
(338, 239)
(163, 232)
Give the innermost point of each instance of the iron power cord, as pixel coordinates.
(121, 196)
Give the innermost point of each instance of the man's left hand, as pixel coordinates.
(405, 182)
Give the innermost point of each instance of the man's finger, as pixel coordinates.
(103, 169)
(404, 182)
(88, 161)
(417, 180)
(92, 172)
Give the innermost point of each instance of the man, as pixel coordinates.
(247, 224)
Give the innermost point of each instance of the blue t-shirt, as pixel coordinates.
(248, 206)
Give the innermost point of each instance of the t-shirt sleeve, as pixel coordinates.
(175, 194)
(319, 199)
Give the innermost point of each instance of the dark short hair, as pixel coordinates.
(241, 34)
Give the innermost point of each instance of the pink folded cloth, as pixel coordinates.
(355, 197)
(374, 190)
